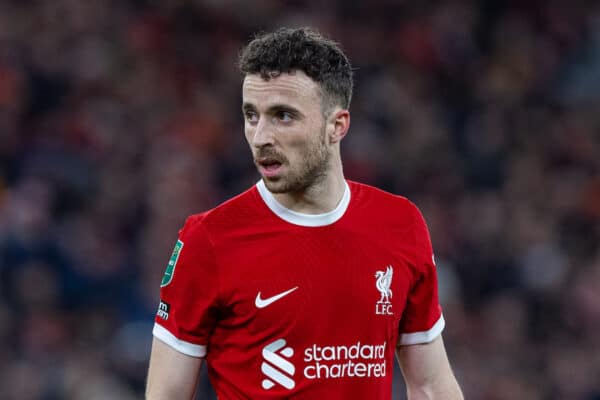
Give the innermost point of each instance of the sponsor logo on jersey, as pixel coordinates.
(357, 360)
(262, 303)
(170, 271)
(277, 368)
(163, 310)
(383, 283)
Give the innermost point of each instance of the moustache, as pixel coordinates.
(269, 155)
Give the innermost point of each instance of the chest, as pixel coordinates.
(313, 284)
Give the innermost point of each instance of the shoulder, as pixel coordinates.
(390, 211)
(376, 199)
(396, 215)
(235, 211)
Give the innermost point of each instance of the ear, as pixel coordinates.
(340, 121)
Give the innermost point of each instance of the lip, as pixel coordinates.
(270, 171)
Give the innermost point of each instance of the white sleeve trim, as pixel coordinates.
(190, 349)
(425, 336)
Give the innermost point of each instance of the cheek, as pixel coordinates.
(248, 133)
(307, 135)
(298, 147)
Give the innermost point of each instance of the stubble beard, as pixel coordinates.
(311, 172)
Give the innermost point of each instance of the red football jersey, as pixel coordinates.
(284, 304)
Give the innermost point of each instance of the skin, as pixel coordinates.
(427, 373)
(172, 375)
(285, 122)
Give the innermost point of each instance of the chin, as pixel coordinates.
(275, 186)
(280, 185)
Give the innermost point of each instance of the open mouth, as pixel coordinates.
(269, 163)
(269, 166)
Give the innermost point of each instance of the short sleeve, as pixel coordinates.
(187, 310)
(422, 320)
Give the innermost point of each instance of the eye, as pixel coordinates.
(251, 116)
(285, 116)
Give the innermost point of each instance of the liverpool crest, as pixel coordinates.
(383, 283)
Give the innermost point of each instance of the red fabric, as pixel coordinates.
(241, 248)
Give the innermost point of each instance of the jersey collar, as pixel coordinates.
(297, 218)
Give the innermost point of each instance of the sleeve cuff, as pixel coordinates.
(424, 336)
(190, 349)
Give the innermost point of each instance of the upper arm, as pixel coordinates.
(427, 372)
(172, 375)
(422, 319)
(185, 317)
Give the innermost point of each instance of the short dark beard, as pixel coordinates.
(314, 168)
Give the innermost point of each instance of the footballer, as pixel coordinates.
(307, 285)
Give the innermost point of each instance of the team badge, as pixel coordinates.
(170, 271)
(383, 283)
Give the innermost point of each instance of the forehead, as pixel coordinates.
(294, 88)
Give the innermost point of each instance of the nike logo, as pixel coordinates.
(262, 303)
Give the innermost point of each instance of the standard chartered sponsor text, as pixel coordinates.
(358, 360)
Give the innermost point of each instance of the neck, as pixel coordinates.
(319, 198)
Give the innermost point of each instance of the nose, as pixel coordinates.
(263, 134)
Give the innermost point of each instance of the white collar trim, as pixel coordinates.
(302, 219)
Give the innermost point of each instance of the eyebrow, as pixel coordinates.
(248, 107)
(274, 108)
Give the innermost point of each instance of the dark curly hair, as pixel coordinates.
(304, 49)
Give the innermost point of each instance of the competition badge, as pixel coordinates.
(170, 271)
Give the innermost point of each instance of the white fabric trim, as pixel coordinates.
(425, 336)
(190, 349)
(302, 219)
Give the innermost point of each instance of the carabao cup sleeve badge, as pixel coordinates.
(170, 271)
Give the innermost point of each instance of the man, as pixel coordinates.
(305, 285)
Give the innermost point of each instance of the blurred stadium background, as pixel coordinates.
(119, 118)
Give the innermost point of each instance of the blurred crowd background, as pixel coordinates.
(119, 118)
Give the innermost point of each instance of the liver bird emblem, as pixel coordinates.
(384, 281)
